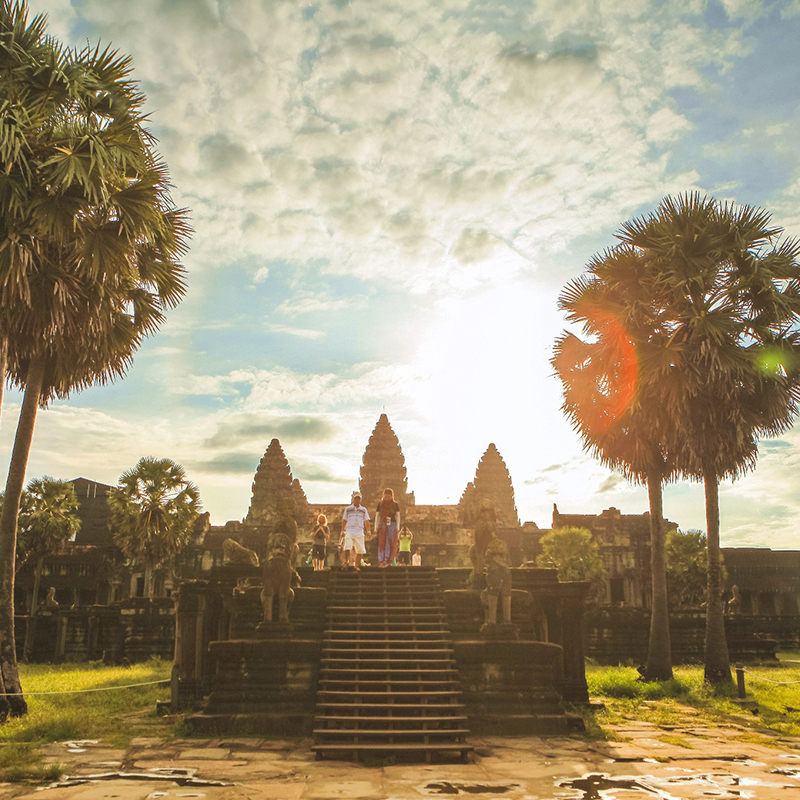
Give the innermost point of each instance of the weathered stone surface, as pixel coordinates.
(714, 763)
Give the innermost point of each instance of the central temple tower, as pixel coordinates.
(384, 467)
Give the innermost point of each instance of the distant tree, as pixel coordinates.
(153, 511)
(686, 568)
(47, 520)
(574, 553)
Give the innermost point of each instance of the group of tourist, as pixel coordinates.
(394, 540)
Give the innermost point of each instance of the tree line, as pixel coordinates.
(152, 513)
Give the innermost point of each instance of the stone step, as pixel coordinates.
(369, 649)
(422, 709)
(395, 663)
(375, 682)
(385, 719)
(369, 733)
(428, 749)
(381, 640)
(386, 626)
(404, 670)
(386, 609)
(386, 699)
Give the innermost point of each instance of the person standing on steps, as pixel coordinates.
(387, 518)
(319, 542)
(416, 559)
(355, 524)
(404, 549)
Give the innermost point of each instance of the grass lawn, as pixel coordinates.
(773, 700)
(114, 716)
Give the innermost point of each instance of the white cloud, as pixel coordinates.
(301, 333)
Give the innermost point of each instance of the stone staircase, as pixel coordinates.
(388, 680)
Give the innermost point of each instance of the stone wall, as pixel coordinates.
(620, 635)
(133, 630)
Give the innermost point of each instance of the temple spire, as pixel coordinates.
(272, 484)
(491, 482)
(384, 467)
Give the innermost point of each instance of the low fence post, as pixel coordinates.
(740, 681)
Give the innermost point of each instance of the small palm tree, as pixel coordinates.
(152, 513)
(47, 520)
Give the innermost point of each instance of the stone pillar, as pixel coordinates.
(188, 669)
(572, 596)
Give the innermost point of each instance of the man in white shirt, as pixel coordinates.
(355, 523)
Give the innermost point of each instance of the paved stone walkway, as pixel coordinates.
(655, 763)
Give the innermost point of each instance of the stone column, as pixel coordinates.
(188, 669)
(572, 596)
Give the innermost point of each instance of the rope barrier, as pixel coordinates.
(769, 680)
(84, 691)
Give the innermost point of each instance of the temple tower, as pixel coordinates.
(272, 484)
(384, 467)
(492, 482)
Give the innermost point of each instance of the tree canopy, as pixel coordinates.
(153, 510)
(574, 553)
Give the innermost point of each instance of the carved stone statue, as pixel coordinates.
(50, 601)
(237, 555)
(735, 603)
(485, 530)
(278, 576)
(498, 581)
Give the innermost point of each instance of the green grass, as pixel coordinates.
(773, 693)
(89, 715)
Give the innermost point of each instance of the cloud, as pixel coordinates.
(301, 333)
(459, 144)
(302, 303)
(611, 483)
(237, 429)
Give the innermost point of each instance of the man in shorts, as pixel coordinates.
(355, 524)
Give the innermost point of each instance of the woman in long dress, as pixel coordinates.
(388, 517)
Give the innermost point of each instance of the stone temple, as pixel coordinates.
(100, 610)
(444, 532)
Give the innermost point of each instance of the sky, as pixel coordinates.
(387, 199)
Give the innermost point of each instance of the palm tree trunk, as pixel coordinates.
(659, 650)
(717, 665)
(3, 366)
(148, 582)
(11, 701)
(30, 630)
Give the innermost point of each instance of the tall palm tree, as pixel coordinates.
(730, 291)
(47, 520)
(92, 243)
(152, 513)
(616, 398)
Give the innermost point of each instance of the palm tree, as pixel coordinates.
(729, 288)
(152, 513)
(617, 398)
(91, 243)
(47, 520)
